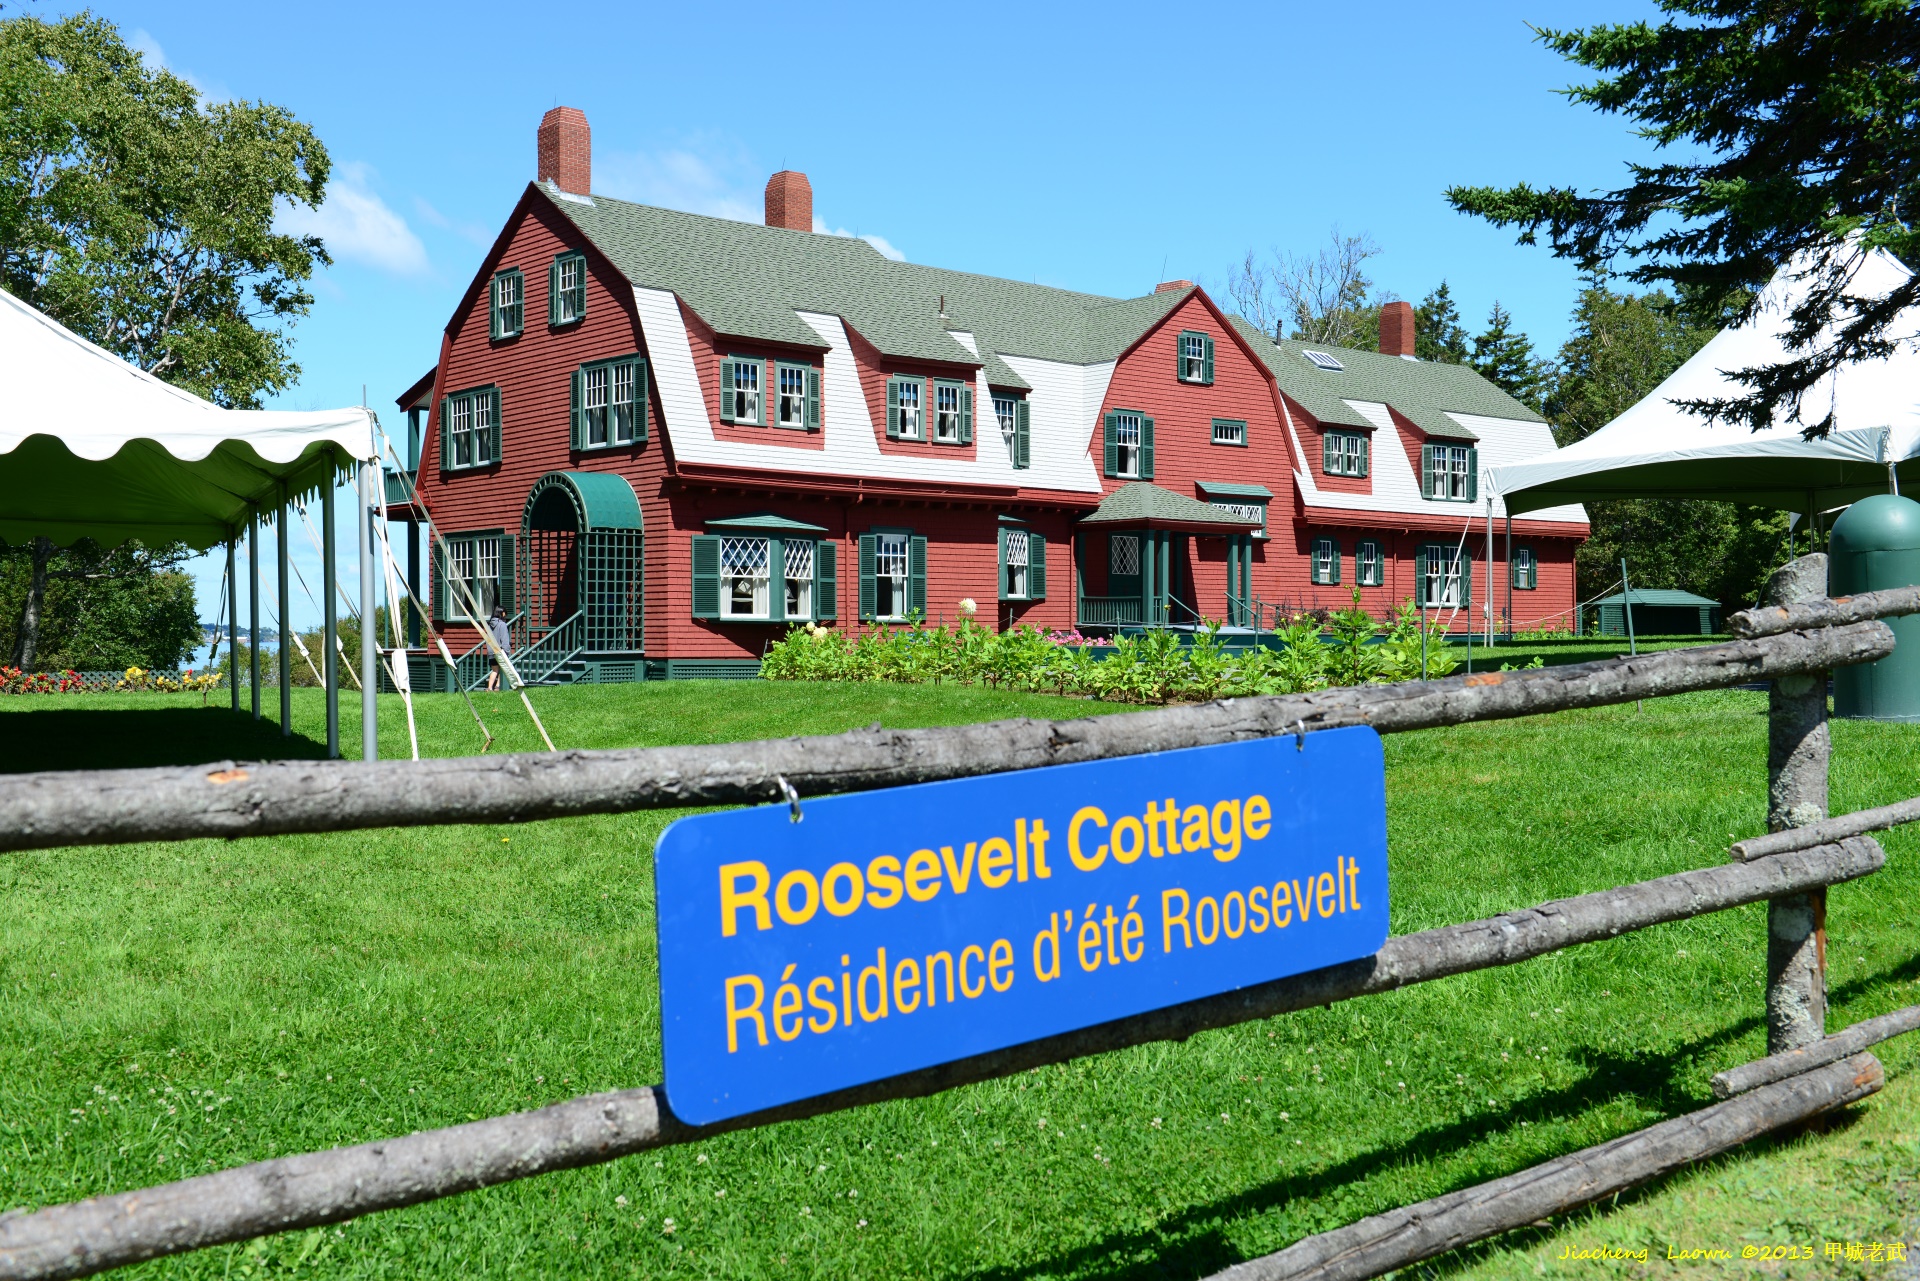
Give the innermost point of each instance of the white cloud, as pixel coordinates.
(878, 242)
(715, 179)
(357, 225)
(465, 230)
(143, 43)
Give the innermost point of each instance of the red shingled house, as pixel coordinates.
(660, 439)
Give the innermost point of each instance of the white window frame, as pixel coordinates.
(1016, 551)
(1346, 454)
(1126, 455)
(572, 273)
(1326, 556)
(1529, 566)
(1451, 466)
(797, 562)
(1369, 564)
(946, 418)
(891, 574)
(460, 431)
(1004, 409)
(906, 397)
(623, 408)
(506, 281)
(790, 406)
(596, 405)
(1445, 565)
(1122, 549)
(1253, 511)
(469, 557)
(1193, 357)
(745, 383)
(744, 565)
(1230, 431)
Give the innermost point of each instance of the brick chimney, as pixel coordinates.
(1396, 329)
(566, 150)
(790, 201)
(1168, 286)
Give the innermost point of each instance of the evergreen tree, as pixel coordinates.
(1438, 334)
(1505, 357)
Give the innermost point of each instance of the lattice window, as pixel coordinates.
(890, 575)
(799, 567)
(743, 577)
(1016, 553)
(1123, 555)
(1252, 511)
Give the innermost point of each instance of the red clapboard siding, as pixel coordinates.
(708, 350)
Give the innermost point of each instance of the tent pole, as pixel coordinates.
(233, 620)
(253, 608)
(330, 589)
(369, 635)
(1509, 578)
(1491, 597)
(286, 620)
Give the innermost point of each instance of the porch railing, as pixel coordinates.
(545, 656)
(471, 668)
(1112, 611)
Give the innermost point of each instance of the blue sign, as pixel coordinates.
(893, 930)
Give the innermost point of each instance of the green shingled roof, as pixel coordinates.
(1423, 391)
(1658, 596)
(1140, 503)
(747, 281)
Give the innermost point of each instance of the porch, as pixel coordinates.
(1139, 548)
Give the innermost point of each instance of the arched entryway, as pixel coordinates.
(580, 554)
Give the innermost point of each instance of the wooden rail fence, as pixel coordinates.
(1794, 642)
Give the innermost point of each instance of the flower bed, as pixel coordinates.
(1314, 651)
(15, 681)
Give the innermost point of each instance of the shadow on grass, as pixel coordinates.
(58, 738)
(1653, 1081)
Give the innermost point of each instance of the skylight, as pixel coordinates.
(1321, 360)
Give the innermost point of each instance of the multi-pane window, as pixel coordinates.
(1326, 561)
(625, 397)
(1444, 583)
(1126, 440)
(596, 387)
(743, 577)
(905, 407)
(1015, 551)
(1123, 555)
(471, 421)
(1252, 511)
(790, 407)
(1003, 414)
(1526, 571)
(1229, 431)
(946, 413)
(473, 572)
(890, 576)
(1449, 471)
(1344, 454)
(741, 389)
(799, 578)
(1196, 358)
(568, 284)
(1369, 568)
(509, 303)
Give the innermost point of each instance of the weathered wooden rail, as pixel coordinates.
(1807, 1073)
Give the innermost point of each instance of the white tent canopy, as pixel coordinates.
(91, 447)
(1659, 450)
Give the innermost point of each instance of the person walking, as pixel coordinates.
(503, 644)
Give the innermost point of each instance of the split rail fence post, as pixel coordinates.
(1798, 746)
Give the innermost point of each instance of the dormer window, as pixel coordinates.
(797, 397)
(740, 391)
(1450, 473)
(952, 413)
(1012, 414)
(1344, 454)
(906, 404)
(1196, 358)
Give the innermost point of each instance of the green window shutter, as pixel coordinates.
(1180, 356)
(1466, 579)
(499, 425)
(438, 601)
(966, 415)
(893, 410)
(1113, 445)
(1420, 575)
(1206, 362)
(867, 593)
(726, 390)
(1333, 562)
(577, 417)
(706, 576)
(1366, 455)
(446, 433)
(641, 401)
(813, 400)
(507, 568)
(1426, 471)
(553, 292)
(826, 581)
(1473, 474)
(496, 317)
(917, 575)
(1006, 573)
(777, 580)
(580, 291)
(1329, 453)
(517, 314)
(1146, 449)
(1036, 567)
(1022, 437)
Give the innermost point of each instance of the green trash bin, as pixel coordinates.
(1875, 545)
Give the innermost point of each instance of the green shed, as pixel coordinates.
(1657, 611)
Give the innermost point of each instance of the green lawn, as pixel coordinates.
(170, 1009)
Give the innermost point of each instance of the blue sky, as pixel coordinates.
(1097, 147)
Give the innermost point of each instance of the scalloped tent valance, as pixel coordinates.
(91, 447)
